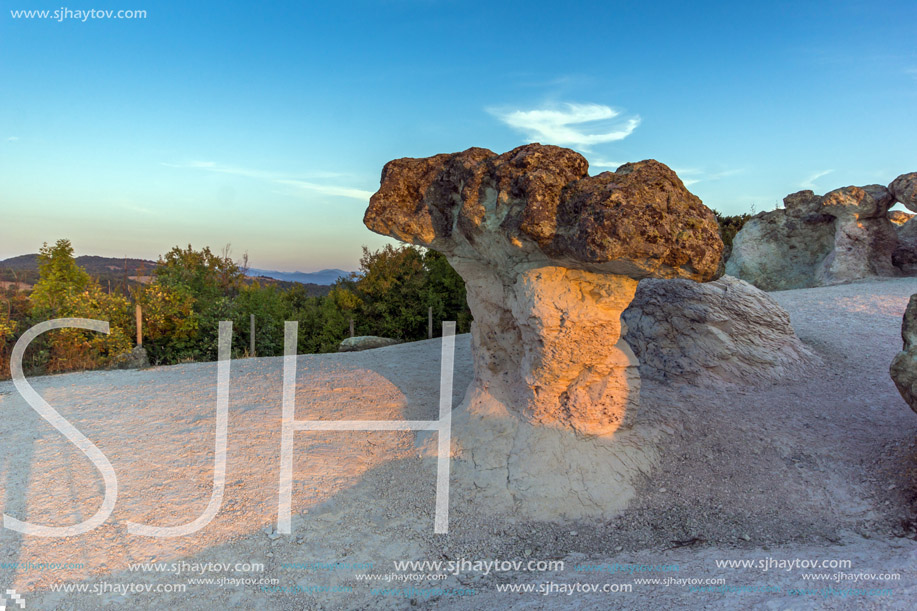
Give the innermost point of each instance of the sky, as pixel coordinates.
(266, 125)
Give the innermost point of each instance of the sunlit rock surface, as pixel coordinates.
(550, 257)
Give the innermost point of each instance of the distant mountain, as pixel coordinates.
(91, 263)
(326, 276)
(109, 271)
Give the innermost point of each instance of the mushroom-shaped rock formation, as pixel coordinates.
(904, 367)
(842, 236)
(550, 257)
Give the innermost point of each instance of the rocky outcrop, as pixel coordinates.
(814, 240)
(721, 332)
(899, 217)
(905, 255)
(904, 190)
(550, 257)
(904, 367)
(365, 342)
(782, 249)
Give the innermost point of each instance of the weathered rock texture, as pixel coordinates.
(721, 332)
(905, 255)
(550, 257)
(365, 342)
(135, 359)
(904, 367)
(899, 217)
(904, 190)
(814, 240)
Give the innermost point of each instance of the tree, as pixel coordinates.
(205, 275)
(170, 325)
(392, 286)
(211, 281)
(60, 278)
(65, 290)
(446, 292)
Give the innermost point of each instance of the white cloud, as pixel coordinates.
(604, 163)
(334, 190)
(12, 139)
(809, 183)
(329, 189)
(576, 125)
(685, 172)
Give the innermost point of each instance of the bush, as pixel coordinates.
(729, 227)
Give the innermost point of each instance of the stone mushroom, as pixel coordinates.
(551, 257)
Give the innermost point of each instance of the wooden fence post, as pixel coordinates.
(430, 323)
(251, 336)
(139, 317)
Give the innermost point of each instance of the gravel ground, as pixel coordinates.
(823, 469)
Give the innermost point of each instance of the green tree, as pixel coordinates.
(60, 278)
(211, 281)
(205, 275)
(446, 292)
(170, 325)
(65, 290)
(393, 292)
(271, 310)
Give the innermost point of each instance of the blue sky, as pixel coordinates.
(267, 125)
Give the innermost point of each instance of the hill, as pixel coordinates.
(127, 272)
(325, 276)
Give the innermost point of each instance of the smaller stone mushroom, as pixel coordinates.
(550, 257)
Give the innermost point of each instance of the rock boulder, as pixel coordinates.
(365, 342)
(904, 367)
(721, 332)
(905, 255)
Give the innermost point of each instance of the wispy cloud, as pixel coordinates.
(604, 163)
(334, 190)
(328, 189)
(12, 139)
(576, 125)
(689, 176)
(809, 183)
(912, 72)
